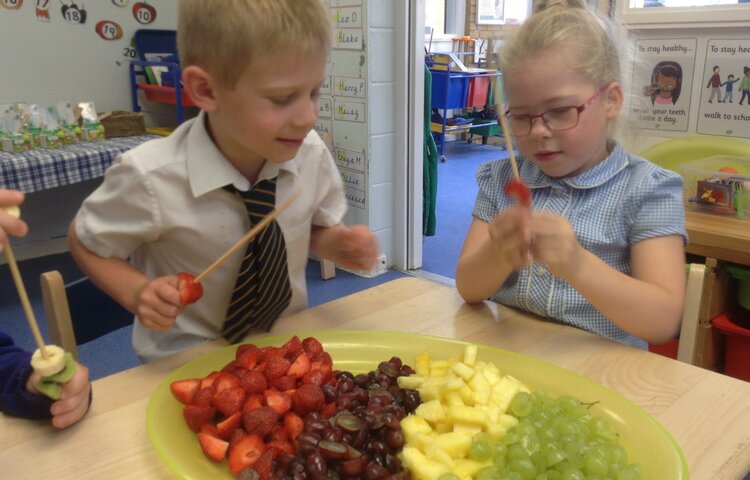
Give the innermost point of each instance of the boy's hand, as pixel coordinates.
(158, 303)
(10, 225)
(357, 248)
(74, 399)
(555, 244)
(510, 236)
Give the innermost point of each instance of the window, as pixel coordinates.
(444, 17)
(683, 13)
(499, 12)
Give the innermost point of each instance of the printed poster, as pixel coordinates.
(725, 93)
(662, 82)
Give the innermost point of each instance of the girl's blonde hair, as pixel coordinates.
(585, 39)
(225, 37)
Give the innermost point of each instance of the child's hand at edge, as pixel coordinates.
(9, 225)
(74, 399)
(357, 248)
(158, 303)
(555, 244)
(510, 236)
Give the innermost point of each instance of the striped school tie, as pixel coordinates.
(262, 290)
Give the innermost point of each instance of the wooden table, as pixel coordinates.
(707, 413)
(715, 236)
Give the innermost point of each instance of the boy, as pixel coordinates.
(18, 393)
(254, 67)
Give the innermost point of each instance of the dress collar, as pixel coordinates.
(615, 162)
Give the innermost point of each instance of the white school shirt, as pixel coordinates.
(163, 206)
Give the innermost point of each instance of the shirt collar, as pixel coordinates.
(208, 168)
(615, 162)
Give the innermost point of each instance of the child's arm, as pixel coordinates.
(156, 302)
(647, 304)
(491, 251)
(354, 247)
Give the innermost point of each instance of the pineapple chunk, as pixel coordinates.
(422, 467)
(462, 370)
(413, 425)
(457, 443)
(422, 364)
(503, 392)
(433, 452)
(470, 355)
(431, 411)
(453, 398)
(468, 468)
(412, 382)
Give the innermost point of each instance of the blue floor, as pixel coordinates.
(457, 189)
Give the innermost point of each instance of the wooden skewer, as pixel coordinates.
(25, 300)
(508, 141)
(253, 232)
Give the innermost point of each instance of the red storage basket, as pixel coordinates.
(737, 355)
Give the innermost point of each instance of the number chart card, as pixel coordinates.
(725, 91)
(662, 83)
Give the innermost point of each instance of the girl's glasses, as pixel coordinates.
(556, 119)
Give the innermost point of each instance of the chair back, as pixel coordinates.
(79, 312)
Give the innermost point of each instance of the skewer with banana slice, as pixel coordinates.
(52, 363)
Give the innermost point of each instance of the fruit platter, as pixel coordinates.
(372, 405)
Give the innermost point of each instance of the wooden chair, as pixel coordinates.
(79, 312)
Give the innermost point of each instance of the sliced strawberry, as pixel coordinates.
(254, 382)
(279, 433)
(226, 427)
(229, 400)
(279, 401)
(300, 366)
(253, 401)
(190, 290)
(329, 410)
(208, 380)
(308, 398)
(225, 380)
(520, 191)
(287, 382)
(203, 397)
(184, 390)
(312, 346)
(244, 348)
(292, 347)
(249, 358)
(238, 434)
(316, 377)
(196, 416)
(281, 446)
(276, 367)
(260, 421)
(214, 448)
(264, 465)
(209, 429)
(293, 424)
(245, 453)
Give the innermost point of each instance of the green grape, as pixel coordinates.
(618, 455)
(595, 462)
(555, 456)
(511, 437)
(521, 405)
(449, 476)
(500, 449)
(549, 475)
(630, 472)
(530, 443)
(480, 449)
(540, 462)
(523, 466)
(516, 451)
(572, 474)
(568, 403)
(489, 473)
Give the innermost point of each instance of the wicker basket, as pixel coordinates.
(120, 123)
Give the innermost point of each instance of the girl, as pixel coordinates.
(603, 247)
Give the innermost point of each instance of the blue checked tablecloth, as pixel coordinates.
(41, 169)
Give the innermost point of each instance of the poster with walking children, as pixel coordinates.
(725, 93)
(662, 83)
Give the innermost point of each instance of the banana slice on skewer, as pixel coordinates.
(54, 363)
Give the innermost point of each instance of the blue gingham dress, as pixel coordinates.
(621, 201)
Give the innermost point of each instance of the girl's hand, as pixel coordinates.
(158, 303)
(357, 248)
(510, 236)
(555, 244)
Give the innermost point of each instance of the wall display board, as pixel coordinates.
(343, 102)
(724, 107)
(662, 82)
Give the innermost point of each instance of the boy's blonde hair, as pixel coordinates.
(225, 37)
(569, 27)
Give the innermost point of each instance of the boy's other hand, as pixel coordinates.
(74, 398)
(357, 248)
(158, 303)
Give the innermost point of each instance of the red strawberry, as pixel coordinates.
(281, 446)
(203, 397)
(253, 401)
(196, 416)
(287, 382)
(209, 429)
(224, 380)
(254, 382)
(244, 348)
(184, 390)
(214, 448)
(517, 189)
(238, 434)
(279, 433)
(226, 427)
(245, 453)
(300, 366)
(316, 377)
(190, 290)
(249, 358)
(329, 410)
(208, 380)
(229, 400)
(260, 421)
(279, 401)
(276, 367)
(308, 398)
(312, 346)
(292, 347)
(293, 424)
(264, 465)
